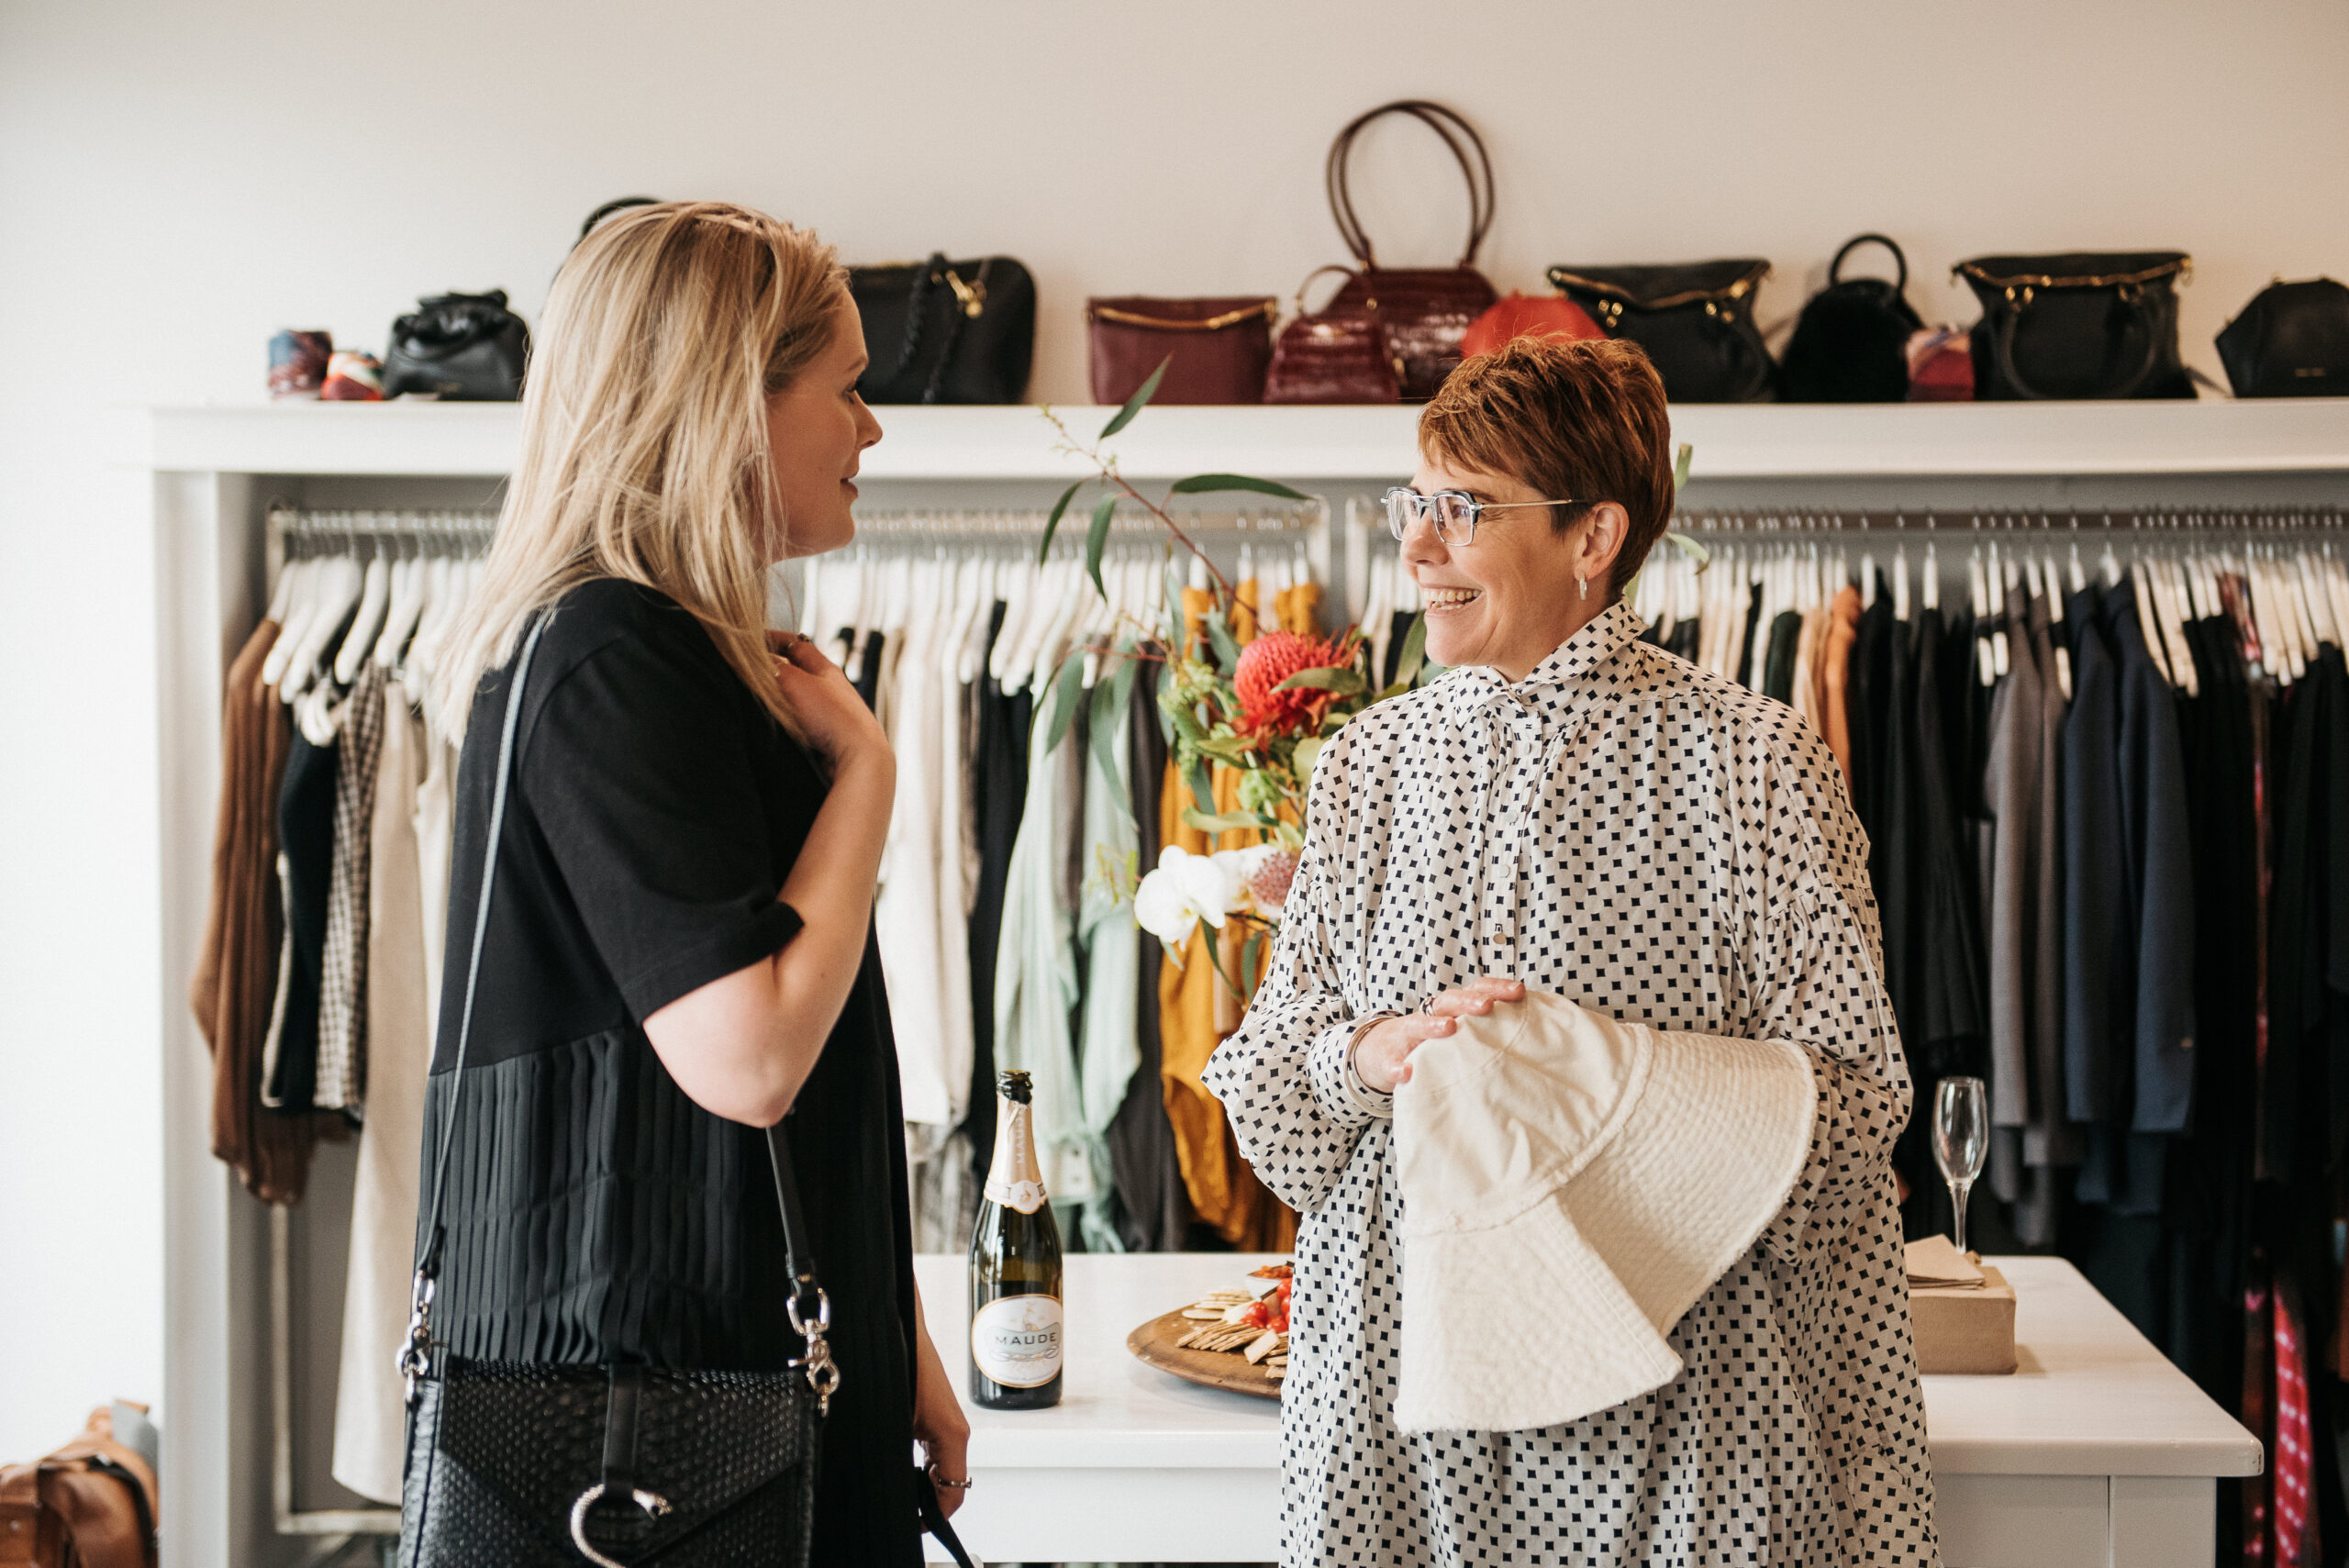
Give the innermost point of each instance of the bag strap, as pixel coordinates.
(1446, 124)
(808, 1308)
(1835, 267)
(933, 1519)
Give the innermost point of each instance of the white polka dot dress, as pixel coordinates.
(1655, 843)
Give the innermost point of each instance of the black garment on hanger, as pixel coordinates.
(1865, 691)
(1154, 1207)
(1746, 668)
(1001, 795)
(1684, 640)
(305, 845)
(1398, 628)
(1778, 661)
(868, 678)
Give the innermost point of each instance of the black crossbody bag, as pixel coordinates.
(530, 1464)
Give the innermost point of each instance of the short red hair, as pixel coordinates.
(1584, 418)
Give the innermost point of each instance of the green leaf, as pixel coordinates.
(1343, 682)
(1248, 951)
(1224, 822)
(1107, 731)
(1301, 760)
(1045, 550)
(1067, 686)
(1680, 462)
(1202, 789)
(1226, 650)
(1173, 582)
(1210, 484)
(1139, 401)
(1096, 538)
(1129, 670)
(1415, 646)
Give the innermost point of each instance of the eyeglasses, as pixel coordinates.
(1455, 512)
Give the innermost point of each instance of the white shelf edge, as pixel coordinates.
(1367, 444)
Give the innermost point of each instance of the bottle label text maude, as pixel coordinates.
(1016, 1340)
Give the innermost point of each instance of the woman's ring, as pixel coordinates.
(938, 1480)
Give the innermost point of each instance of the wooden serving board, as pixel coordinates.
(1153, 1343)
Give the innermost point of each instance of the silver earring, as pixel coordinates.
(1582, 587)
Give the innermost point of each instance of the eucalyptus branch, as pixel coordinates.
(1106, 473)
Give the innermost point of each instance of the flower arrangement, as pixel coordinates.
(1264, 711)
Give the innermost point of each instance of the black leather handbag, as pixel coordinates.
(941, 331)
(1695, 320)
(2081, 325)
(460, 348)
(2291, 340)
(528, 1464)
(1851, 343)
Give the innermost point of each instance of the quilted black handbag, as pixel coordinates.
(2291, 340)
(941, 331)
(2081, 325)
(526, 1465)
(1695, 320)
(460, 348)
(1851, 343)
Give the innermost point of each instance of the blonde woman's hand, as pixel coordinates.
(1383, 1055)
(832, 717)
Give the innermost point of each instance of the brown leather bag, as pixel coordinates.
(1425, 309)
(1338, 355)
(90, 1505)
(1215, 351)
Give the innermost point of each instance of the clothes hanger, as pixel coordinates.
(338, 588)
(2149, 626)
(2079, 573)
(2170, 583)
(374, 600)
(400, 617)
(2056, 626)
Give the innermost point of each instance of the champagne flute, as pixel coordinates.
(1961, 1139)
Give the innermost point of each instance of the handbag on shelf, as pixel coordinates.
(2291, 340)
(459, 348)
(941, 331)
(2079, 325)
(1215, 351)
(531, 1464)
(1516, 316)
(92, 1504)
(1851, 343)
(1338, 355)
(1941, 365)
(1425, 310)
(1694, 318)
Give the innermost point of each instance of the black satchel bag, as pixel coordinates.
(2083, 324)
(941, 331)
(526, 1465)
(1695, 320)
(460, 348)
(2291, 340)
(1851, 343)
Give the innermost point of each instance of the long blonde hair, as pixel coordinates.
(644, 431)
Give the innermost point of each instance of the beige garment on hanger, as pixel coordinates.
(1836, 670)
(369, 1405)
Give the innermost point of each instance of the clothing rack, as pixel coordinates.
(2151, 521)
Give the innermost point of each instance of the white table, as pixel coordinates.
(2097, 1452)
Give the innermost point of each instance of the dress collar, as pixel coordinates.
(1556, 686)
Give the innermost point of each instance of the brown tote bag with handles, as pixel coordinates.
(1425, 310)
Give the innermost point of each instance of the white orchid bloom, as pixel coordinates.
(1185, 889)
(1240, 868)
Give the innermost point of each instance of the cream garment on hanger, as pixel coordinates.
(370, 1400)
(906, 913)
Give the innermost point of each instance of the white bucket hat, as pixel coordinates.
(1571, 1185)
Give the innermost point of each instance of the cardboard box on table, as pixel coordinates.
(1962, 1310)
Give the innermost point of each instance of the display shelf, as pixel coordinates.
(1732, 441)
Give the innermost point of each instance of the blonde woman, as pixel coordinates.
(680, 949)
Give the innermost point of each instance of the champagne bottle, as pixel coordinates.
(1015, 1269)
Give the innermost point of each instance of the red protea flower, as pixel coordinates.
(1274, 658)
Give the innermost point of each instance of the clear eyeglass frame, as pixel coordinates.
(1454, 512)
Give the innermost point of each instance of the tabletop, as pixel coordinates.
(2092, 1396)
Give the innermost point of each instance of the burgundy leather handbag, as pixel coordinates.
(1215, 351)
(1424, 309)
(1338, 355)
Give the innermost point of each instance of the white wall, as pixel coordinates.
(177, 181)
